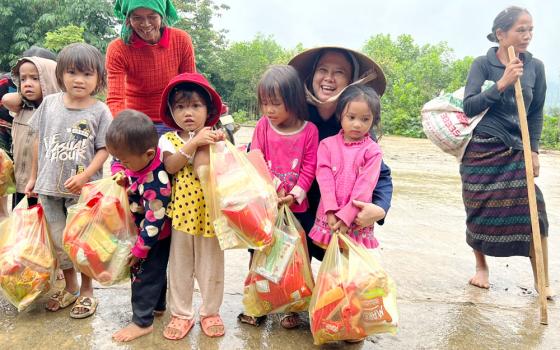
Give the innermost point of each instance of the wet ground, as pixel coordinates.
(423, 248)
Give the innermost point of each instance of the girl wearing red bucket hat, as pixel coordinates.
(191, 106)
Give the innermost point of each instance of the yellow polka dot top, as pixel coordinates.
(187, 210)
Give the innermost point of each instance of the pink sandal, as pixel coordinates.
(212, 326)
(182, 325)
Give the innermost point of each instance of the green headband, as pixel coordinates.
(123, 9)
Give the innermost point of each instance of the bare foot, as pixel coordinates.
(480, 278)
(131, 332)
(549, 292)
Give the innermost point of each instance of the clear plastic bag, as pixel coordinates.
(100, 232)
(280, 278)
(353, 296)
(7, 180)
(242, 200)
(27, 256)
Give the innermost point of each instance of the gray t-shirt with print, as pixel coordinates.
(68, 141)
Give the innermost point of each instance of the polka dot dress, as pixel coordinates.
(187, 209)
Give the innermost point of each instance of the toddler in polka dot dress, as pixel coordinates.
(132, 140)
(191, 106)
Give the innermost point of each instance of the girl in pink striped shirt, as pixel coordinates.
(348, 166)
(288, 142)
(289, 145)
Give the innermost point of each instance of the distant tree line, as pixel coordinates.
(415, 73)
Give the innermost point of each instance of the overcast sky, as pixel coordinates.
(462, 24)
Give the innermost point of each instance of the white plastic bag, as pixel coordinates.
(445, 123)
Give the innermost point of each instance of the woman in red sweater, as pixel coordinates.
(146, 56)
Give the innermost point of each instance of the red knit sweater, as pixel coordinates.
(137, 76)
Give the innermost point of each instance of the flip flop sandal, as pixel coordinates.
(179, 324)
(210, 322)
(290, 321)
(87, 303)
(251, 320)
(64, 299)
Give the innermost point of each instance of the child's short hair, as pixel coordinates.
(83, 57)
(39, 52)
(360, 92)
(184, 92)
(282, 81)
(133, 131)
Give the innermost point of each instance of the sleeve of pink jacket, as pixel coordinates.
(259, 142)
(308, 164)
(325, 178)
(364, 185)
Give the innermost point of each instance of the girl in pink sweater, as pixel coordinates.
(287, 141)
(289, 145)
(348, 166)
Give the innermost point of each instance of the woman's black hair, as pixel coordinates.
(363, 93)
(184, 91)
(39, 52)
(282, 81)
(132, 131)
(85, 58)
(505, 20)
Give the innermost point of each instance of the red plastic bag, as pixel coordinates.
(27, 257)
(100, 232)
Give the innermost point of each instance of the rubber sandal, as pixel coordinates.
(290, 320)
(210, 322)
(87, 303)
(251, 320)
(180, 324)
(64, 299)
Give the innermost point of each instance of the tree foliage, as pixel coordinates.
(241, 67)
(415, 74)
(26, 22)
(61, 37)
(209, 43)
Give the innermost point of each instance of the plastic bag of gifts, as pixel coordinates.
(242, 200)
(100, 231)
(280, 277)
(27, 256)
(7, 181)
(353, 296)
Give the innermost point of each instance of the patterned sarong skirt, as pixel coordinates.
(496, 199)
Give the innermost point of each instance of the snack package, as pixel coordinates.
(7, 180)
(27, 256)
(242, 200)
(353, 296)
(100, 231)
(280, 277)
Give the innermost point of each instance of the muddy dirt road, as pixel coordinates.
(422, 246)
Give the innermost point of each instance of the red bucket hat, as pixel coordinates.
(193, 78)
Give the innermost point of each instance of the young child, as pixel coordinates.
(289, 145)
(69, 151)
(132, 139)
(191, 106)
(348, 166)
(35, 79)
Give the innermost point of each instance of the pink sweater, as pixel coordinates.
(291, 158)
(345, 171)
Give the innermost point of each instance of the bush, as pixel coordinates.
(550, 137)
(243, 117)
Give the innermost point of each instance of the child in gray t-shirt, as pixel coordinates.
(69, 151)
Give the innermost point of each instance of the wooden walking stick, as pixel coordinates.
(531, 194)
